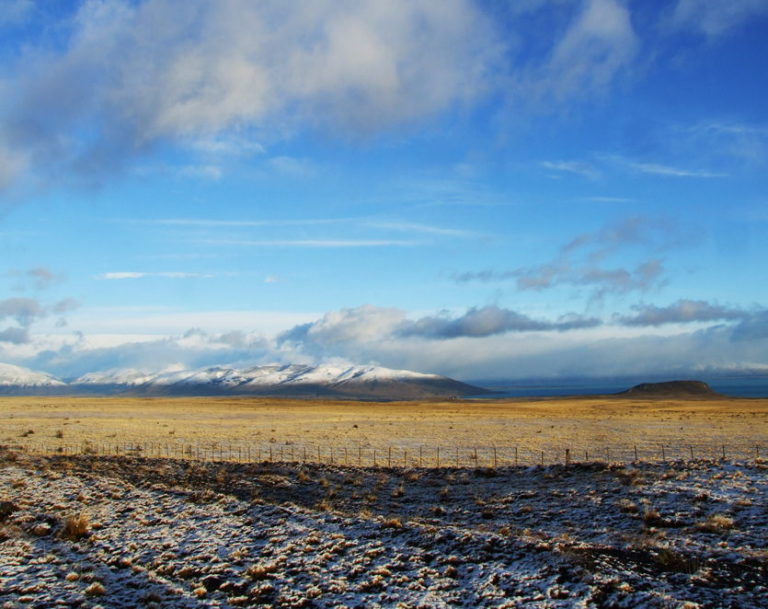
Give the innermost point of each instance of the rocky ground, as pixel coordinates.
(133, 532)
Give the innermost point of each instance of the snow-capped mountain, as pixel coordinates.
(279, 379)
(15, 378)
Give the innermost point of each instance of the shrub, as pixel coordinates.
(75, 527)
(716, 523)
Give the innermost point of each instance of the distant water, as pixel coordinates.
(744, 387)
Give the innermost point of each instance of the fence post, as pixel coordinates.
(346, 456)
(663, 456)
(723, 451)
(405, 458)
(635, 447)
(515, 456)
(494, 458)
(567, 456)
(374, 457)
(438, 456)
(586, 454)
(691, 447)
(542, 457)
(359, 455)
(420, 448)
(389, 456)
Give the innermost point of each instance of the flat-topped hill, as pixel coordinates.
(672, 389)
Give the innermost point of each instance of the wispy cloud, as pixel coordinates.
(414, 227)
(579, 168)
(716, 17)
(598, 46)
(212, 222)
(38, 277)
(582, 261)
(162, 274)
(682, 311)
(367, 222)
(312, 243)
(660, 169)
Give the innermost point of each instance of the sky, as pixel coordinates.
(476, 188)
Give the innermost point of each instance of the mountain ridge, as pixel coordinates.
(287, 380)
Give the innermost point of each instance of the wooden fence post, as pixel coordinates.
(635, 452)
(567, 456)
(438, 456)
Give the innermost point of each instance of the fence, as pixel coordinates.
(399, 456)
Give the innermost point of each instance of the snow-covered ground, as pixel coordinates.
(163, 533)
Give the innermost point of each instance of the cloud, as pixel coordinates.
(574, 167)
(753, 328)
(716, 17)
(414, 227)
(368, 324)
(15, 336)
(682, 311)
(581, 262)
(141, 275)
(487, 321)
(135, 75)
(666, 170)
(598, 46)
(361, 324)
(39, 278)
(483, 342)
(314, 243)
(23, 310)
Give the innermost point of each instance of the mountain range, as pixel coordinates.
(288, 380)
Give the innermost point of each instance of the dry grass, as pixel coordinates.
(583, 424)
(76, 527)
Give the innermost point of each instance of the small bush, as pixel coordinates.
(716, 523)
(392, 523)
(95, 589)
(76, 527)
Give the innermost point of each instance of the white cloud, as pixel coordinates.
(136, 74)
(596, 48)
(162, 274)
(314, 243)
(574, 167)
(716, 17)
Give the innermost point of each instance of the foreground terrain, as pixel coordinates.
(137, 532)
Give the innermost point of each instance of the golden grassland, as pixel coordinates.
(582, 424)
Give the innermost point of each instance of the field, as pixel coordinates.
(131, 531)
(296, 429)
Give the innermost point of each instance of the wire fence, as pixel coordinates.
(400, 456)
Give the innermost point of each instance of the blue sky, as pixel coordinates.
(539, 188)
